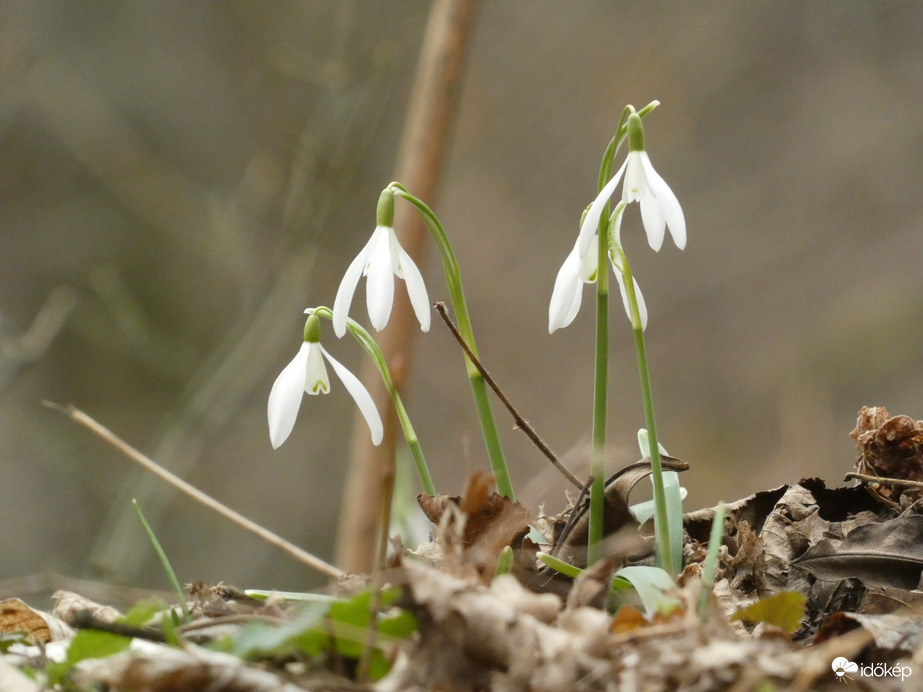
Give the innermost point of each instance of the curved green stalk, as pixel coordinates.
(459, 304)
(368, 343)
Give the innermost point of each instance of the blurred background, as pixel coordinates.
(179, 180)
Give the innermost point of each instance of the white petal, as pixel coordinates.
(285, 397)
(590, 262)
(316, 380)
(360, 395)
(654, 223)
(642, 308)
(669, 206)
(416, 288)
(379, 279)
(566, 295)
(347, 288)
(395, 248)
(635, 178)
(591, 220)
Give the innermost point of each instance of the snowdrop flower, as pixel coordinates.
(307, 373)
(380, 260)
(567, 294)
(659, 207)
(576, 271)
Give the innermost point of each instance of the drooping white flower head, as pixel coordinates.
(659, 207)
(380, 261)
(307, 373)
(568, 286)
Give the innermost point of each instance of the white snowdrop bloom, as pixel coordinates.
(380, 261)
(659, 207)
(307, 373)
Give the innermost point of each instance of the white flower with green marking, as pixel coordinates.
(307, 373)
(659, 207)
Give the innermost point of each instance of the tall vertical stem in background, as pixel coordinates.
(419, 166)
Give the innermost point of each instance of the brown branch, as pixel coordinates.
(423, 147)
(194, 493)
(521, 422)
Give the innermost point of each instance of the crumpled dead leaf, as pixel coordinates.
(38, 626)
(472, 638)
(892, 448)
(68, 604)
(888, 553)
(484, 521)
(166, 669)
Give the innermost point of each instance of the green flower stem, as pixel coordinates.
(371, 347)
(601, 374)
(600, 402)
(601, 359)
(665, 557)
(457, 296)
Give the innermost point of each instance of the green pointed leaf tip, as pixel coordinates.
(312, 329)
(635, 133)
(558, 565)
(385, 214)
(650, 583)
(504, 562)
(784, 610)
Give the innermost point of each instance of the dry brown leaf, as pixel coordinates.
(39, 627)
(888, 553)
(890, 447)
(627, 619)
(490, 522)
(68, 603)
(473, 637)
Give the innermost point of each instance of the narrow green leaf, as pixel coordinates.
(711, 559)
(558, 565)
(165, 563)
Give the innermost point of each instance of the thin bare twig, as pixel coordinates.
(881, 480)
(194, 493)
(521, 422)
